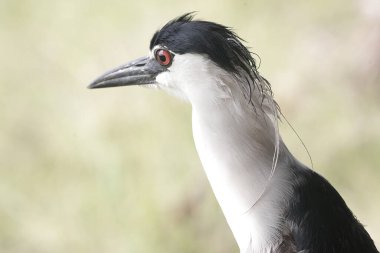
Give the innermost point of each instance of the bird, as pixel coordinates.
(271, 201)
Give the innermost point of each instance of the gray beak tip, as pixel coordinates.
(93, 85)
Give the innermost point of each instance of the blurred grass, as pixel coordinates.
(116, 171)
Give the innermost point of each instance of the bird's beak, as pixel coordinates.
(141, 71)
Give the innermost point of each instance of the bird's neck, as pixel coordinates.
(236, 147)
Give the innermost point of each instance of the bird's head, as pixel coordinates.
(192, 59)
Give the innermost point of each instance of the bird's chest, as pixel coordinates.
(230, 171)
(237, 176)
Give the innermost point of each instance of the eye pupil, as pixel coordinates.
(164, 57)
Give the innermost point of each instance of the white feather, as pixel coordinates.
(236, 145)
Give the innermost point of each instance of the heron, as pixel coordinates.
(271, 201)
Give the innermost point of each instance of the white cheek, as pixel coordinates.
(166, 81)
(191, 77)
(163, 79)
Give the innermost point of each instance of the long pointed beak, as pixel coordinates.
(141, 71)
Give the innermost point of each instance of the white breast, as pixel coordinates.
(238, 167)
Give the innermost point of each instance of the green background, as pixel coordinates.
(115, 170)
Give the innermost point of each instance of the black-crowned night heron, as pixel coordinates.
(271, 201)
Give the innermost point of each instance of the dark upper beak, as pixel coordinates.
(141, 71)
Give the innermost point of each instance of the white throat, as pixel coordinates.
(236, 145)
(238, 166)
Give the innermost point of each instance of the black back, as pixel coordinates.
(322, 221)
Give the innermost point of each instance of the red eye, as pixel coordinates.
(163, 57)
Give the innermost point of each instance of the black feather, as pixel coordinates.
(185, 35)
(321, 221)
(221, 45)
